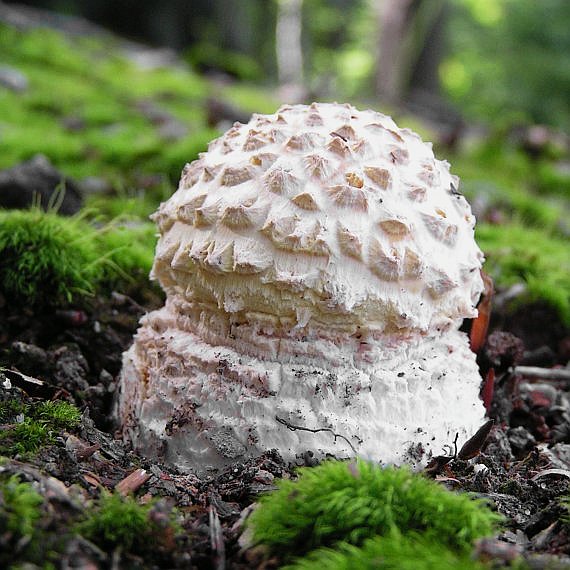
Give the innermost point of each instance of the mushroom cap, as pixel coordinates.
(325, 216)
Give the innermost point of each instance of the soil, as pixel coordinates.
(522, 468)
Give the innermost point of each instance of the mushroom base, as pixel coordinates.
(201, 407)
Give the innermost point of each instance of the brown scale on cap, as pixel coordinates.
(318, 166)
(281, 181)
(350, 244)
(206, 215)
(306, 201)
(349, 197)
(339, 146)
(264, 159)
(210, 172)
(232, 176)
(379, 176)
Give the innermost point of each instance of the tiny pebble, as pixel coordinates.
(13, 79)
(264, 477)
(480, 468)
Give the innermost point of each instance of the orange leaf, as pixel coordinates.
(480, 325)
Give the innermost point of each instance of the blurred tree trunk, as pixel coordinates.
(235, 21)
(393, 16)
(410, 47)
(288, 44)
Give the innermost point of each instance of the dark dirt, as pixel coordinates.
(523, 468)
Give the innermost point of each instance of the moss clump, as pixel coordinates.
(50, 261)
(19, 508)
(519, 254)
(393, 552)
(23, 525)
(46, 259)
(30, 427)
(351, 502)
(26, 437)
(121, 521)
(57, 415)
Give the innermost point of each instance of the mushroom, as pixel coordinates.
(317, 263)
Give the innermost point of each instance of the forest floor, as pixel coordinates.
(523, 468)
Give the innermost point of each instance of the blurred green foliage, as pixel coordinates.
(529, 191)
(93, 112)
(20, 508)
(340, 39)
(523, 228)
(207, 55)
(508, 61)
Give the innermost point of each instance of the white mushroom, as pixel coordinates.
(318, 263)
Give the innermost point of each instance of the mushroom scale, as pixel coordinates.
(317, 263)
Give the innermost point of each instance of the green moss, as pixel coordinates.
(519, 254)
(117, 521)
(80, 79)
(393, 552)
(26, 437)
(29, 427)
(29, 538)
(130, 252)
(10, 409)
(46, 259)
(57, 415)
(342, 502)
(50, 261)
(554, 180)
(121, 521)
(508, 180)
(19, 508)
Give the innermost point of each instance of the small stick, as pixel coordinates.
(545, 373)
(132, 482)
(301, 428)
(217, 539)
